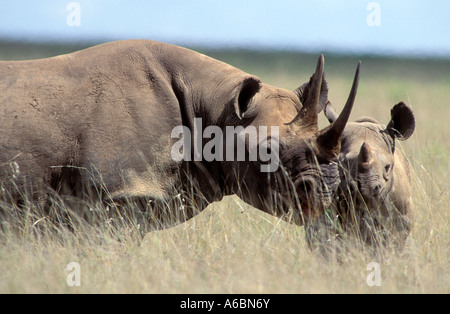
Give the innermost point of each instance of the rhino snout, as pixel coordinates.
(377, 188)
(316, 193)
(307, 185)
(371, 187)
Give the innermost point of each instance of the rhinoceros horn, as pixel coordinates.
(309, 94)
(329, 138)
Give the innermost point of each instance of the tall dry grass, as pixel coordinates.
(233, 248)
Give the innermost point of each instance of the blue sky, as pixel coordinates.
(385, 26)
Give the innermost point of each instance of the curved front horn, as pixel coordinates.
(330, 137)
(307, 115)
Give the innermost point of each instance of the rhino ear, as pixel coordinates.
(244, 94)
(304, 90)
(402, 122)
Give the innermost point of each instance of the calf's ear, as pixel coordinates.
(402, 122)
(244, 94)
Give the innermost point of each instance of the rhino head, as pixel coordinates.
(374, 200)
(368, 152)
(307, 175)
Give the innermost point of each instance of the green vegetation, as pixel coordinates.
(234, 248)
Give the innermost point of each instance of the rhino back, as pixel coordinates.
(109, 109)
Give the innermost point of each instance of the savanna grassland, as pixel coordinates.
(233, 248)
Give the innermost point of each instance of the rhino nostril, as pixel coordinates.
(377, 189)
(306, 186)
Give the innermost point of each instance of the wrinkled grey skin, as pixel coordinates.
(374, 199)
(97, 124)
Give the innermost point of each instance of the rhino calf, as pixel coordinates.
(374, 198)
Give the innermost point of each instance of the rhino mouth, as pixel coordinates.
(314, 195)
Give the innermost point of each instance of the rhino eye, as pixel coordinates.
(387, 168)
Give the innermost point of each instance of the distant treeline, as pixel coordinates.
(23, 50)
(262, 61)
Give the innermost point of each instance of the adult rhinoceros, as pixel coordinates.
(103, 120)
